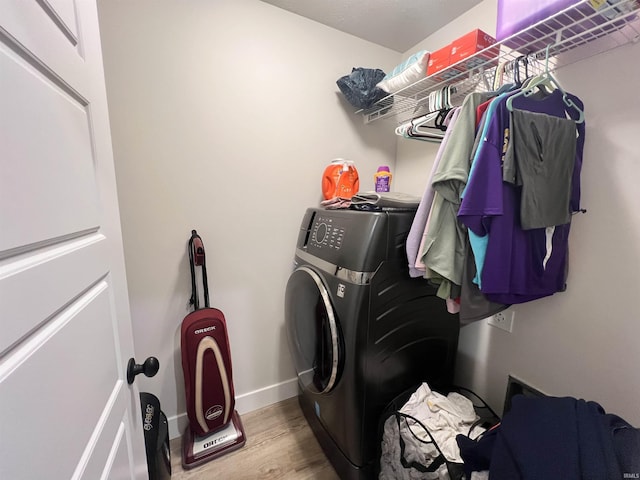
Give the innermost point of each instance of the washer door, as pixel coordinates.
(315, 338)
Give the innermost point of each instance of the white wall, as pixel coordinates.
(224, 114)
(583, 342)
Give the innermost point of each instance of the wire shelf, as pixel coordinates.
(573, 34)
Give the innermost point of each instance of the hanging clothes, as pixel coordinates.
(444, 241)
(497, 210)
(519, 265)
(420, 220)
(474, 305)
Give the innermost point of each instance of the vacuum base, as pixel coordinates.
(198, 450)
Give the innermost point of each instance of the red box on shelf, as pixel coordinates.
(438, 60)
(470, 44)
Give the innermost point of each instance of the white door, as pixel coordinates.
(66, 410)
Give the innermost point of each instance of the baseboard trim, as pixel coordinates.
(245, 403)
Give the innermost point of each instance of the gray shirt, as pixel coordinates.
(540, 158)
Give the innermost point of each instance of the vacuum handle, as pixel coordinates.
(198, 250)
(197, 258)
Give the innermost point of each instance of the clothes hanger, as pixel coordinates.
(451, 91)
(422, 130)
(424, 138)
(525, 62)
(532, 61)
(439, 121)
(433, 100)
(498, 86)
(516, 70)
(419, 129)
(438, 118)
(429, 137)
(541, 81)
(402, 129)
(498, 75)
(416, 122)
(546, 79)
(412, 130)
(437, 99)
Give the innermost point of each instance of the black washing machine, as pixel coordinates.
(360, 330)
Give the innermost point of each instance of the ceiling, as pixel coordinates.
(395, 24)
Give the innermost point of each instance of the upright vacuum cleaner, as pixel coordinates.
(214, 426)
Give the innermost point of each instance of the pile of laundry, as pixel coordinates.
(541, 438)
(422, 436)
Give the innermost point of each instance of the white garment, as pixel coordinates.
(483, 475)
(444, 417)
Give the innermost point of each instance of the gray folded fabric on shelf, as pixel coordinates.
(386, 200)
(336, 203)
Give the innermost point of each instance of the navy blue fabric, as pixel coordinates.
(626, 443)
(476, 454)
(563, 438)
(538, 440)
(550, 438)
(597, 455)
(359, 88)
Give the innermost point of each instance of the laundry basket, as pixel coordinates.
(405, 435)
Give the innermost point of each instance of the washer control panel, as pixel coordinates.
(327, 233)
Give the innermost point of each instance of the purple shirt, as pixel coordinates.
(519, 265)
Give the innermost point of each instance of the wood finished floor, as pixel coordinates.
(280, 445)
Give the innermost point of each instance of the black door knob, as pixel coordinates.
(149, 368)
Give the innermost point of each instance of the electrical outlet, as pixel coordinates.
(503, 320)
